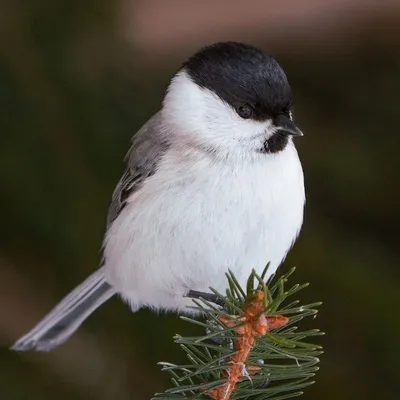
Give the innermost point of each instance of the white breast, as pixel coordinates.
(195, 218)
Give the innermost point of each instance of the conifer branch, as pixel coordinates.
(252, 348)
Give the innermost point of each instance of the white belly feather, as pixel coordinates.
(194, 219)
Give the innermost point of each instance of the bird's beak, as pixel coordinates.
(286, 125)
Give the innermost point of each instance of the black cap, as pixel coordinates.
(242, 74)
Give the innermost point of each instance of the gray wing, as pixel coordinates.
(148, 147)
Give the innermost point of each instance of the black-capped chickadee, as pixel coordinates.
(213, 181)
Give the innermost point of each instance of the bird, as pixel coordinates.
(213, 182)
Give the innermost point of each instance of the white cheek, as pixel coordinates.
(226, 127)
(183, 107)
(199, 116)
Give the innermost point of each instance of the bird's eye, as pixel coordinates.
(245, 111)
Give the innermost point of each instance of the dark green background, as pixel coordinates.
(72, 92)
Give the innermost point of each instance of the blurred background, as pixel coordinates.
(77, 79)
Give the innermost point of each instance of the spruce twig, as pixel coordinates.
(260, 353)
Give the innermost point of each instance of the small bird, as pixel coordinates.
(212, 182)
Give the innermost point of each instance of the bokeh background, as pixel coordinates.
(78, 78)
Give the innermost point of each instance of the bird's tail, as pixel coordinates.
(61, 322)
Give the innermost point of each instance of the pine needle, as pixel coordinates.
(256, 326)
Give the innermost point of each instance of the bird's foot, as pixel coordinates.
(211, 297)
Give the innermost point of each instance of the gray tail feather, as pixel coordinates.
(61, 322)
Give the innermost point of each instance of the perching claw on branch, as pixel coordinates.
(260, 354)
